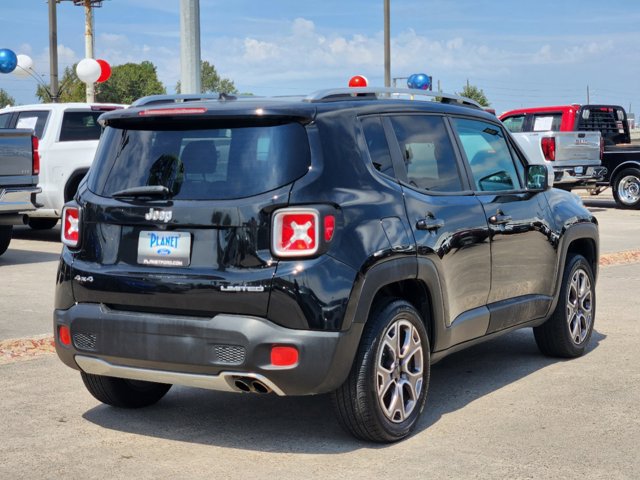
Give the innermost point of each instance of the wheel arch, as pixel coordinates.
(621, 167)
(71, 187)
(399, 279)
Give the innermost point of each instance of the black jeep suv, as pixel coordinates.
(341, 242)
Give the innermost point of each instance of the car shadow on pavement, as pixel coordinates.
(306, 425)
(27, 233)
(16, 256)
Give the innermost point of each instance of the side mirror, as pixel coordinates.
(537, 178)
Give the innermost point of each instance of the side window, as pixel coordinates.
(514, 124)
(377, 145)
(428, 153)
(546, 122)
(488, 154)
(80, 126)
(4, 120)
(36, 121)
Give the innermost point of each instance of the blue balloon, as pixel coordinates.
(8, 60)
(420, 81)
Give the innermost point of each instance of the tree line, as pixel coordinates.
(127, 83)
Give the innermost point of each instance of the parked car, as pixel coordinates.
(68, 135)
(341, 242)
(19, 166)
(621, 156)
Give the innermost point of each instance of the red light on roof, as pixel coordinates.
(172, 111)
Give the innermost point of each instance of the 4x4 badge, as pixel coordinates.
(161, 215)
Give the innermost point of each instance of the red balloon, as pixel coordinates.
(105, 71)
(358, 81)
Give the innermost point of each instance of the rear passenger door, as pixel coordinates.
(522, 247)
(447, 220)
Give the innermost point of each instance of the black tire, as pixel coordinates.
(626, 188)
(5, 237)
(42, 223)
(567, 332)
(119, 392)
(364, 407)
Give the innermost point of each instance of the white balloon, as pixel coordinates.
(88, 70)
(25, 66)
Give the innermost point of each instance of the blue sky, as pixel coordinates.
(521, 53)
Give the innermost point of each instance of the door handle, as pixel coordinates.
(429, 223)
(499, 218)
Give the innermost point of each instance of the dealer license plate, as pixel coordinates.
(164, 249)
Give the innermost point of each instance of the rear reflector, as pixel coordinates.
(70, 233)
(64, 335)
(548, 145)
(172, 111)
(295, 232)
(284, 356)
(329, 227)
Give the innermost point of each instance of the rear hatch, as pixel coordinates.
(16, 159)
(176, 217)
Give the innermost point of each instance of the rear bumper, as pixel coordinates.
(203, 352)
(578, 174)
(18, 199)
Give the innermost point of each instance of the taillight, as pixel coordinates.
(70, 234)
(64, 335)
(295, 232)
(35, 155)
(601, 148)
(549, 148)
(284, 356)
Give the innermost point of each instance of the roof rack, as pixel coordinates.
(388, 93)
(181, 98)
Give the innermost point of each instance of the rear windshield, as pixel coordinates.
(211, 164)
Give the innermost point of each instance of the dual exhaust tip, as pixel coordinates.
(251, 385)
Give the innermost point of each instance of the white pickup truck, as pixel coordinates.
(68, 134)
(574, 157)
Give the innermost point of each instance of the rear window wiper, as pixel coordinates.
(143, 191)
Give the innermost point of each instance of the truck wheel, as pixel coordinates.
(386, 390)
(119, 392)
(626, 188)
(5, 237)
(42, 223)
(567, 332)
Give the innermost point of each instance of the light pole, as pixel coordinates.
(387, 44)
(190, 81)
(53, 50)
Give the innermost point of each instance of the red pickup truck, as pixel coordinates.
(621, 156)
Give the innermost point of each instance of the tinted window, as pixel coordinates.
(545, 122)
(377, 145)
(80, 126)
(488, 154)
(514, 124)
(428, 154)
(4, 120)
(35, 121)
(201, 164)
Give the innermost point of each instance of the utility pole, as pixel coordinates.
(387, 44)
(53, 50)
(190, 67)
(88, 45)
(588, 99)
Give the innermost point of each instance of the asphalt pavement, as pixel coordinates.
(497, 410)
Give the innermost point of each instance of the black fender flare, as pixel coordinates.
(622, 166)
(578, 231)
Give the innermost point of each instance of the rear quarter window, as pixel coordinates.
(207, 164)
